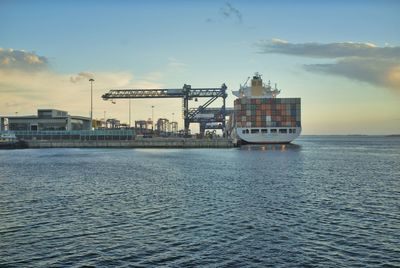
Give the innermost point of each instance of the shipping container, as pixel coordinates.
(267, 112)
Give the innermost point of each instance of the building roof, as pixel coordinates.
(19, 116)
(80, 117)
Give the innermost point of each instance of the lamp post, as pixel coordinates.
(130, 113)
(152, 117)
(172, 123)
(91, 102)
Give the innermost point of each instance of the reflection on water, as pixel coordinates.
(271, 147)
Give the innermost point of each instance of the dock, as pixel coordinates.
(137, 143)
(114, 139)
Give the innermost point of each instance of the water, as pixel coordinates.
(326, 202)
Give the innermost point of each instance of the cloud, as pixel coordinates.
(380, 72)
(25, 88)
(176, 64)
(80, 76)
(332, 50)
(365, 62)
(19, 59)
(230, 12)
(24, 92)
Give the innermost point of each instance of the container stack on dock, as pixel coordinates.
(267, 112)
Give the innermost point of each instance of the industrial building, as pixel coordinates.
(46, 119)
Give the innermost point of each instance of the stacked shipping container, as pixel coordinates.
(267, 112)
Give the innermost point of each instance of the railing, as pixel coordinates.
(74, 135)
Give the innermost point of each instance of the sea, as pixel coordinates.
(324, 201)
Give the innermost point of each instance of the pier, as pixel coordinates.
(137, 143)
(114, 139)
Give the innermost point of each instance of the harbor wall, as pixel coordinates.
(139, 143)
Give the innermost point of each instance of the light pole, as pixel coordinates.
(130, 113)
(91, 102)
(172, 123)
(152, 117)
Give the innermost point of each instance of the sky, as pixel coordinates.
(342, 58)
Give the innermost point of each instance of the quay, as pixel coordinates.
(113, 139)
(136, 143)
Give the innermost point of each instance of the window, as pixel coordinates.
(273, 130)
(290, 130)
(264, 130)
(45, 114)
(253, 131)
(247, 131)
(283, 130)
(243, 131)
(294, 130)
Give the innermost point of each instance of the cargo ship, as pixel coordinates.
(260, 117)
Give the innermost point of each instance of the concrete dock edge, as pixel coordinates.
(140, 143)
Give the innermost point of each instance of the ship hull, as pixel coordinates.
(267, 135)
(13, 145)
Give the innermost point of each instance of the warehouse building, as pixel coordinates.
(46, 119)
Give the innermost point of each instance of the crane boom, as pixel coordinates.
(186, 93)
(164, 93)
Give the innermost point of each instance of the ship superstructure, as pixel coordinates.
(260, 117)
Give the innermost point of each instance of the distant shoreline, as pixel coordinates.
(353, 135)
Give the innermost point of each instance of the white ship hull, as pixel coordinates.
(268, 135)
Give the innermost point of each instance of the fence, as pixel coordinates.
(74, 135)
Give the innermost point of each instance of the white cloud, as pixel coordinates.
(175, 64)
(20, 59)
(81, 76)
(278, 41)
(24, 92)
(26, 84)
(365, 62)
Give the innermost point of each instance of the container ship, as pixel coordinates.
(260, 117)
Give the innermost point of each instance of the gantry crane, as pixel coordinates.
(186, 93)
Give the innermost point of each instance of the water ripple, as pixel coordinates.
(328, 202)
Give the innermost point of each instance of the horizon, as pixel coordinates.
(345, 69)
